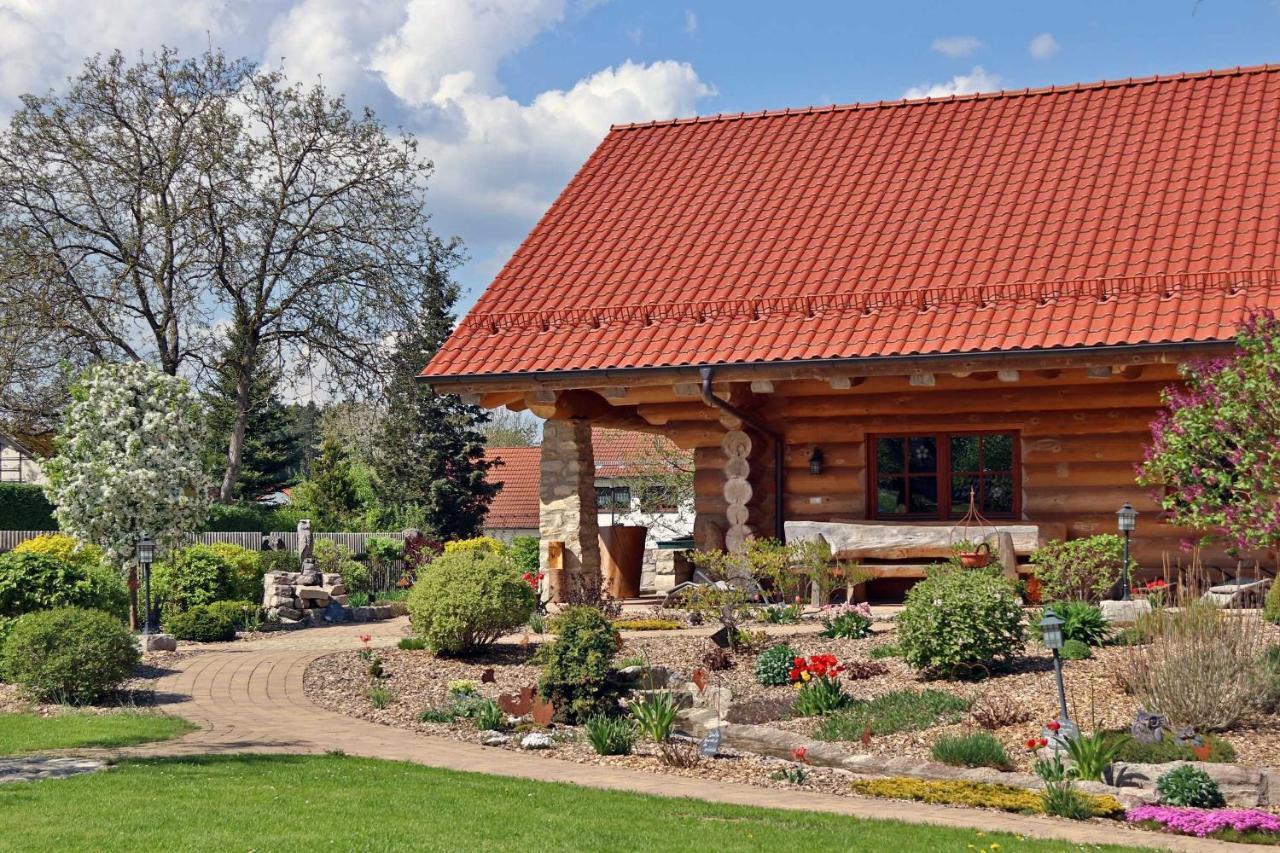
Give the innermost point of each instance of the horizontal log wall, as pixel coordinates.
(1081, 437)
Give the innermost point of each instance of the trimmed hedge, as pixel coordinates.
(212, 623)
(23, 506)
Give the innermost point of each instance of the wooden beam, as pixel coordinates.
(687, 389)
(616, 392)
(761, 386)
(1173, 354)
(1007, 375)
(922, 380)
(1100, 372)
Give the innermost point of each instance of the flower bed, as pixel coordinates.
(1247, 825)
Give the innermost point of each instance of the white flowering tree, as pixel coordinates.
(128, 462)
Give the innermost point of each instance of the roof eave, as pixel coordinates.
(915, 362)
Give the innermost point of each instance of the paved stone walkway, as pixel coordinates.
(36, 768)
(248, 697)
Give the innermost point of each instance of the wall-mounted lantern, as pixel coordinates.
(815, 461)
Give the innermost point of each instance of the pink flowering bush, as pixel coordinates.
(1215, 454)
(1206, 822)
(846, 621)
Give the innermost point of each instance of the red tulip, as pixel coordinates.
(1053, 726)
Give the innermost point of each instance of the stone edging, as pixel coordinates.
(1242, 785)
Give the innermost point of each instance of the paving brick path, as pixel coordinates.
(248, 697)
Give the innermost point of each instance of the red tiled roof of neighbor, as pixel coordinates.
(616, 451)
(622, 453)
(1124, 212)
(516, 504)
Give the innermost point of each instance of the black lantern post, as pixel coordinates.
(1127, 518)
(146, 554)
(1051, 629)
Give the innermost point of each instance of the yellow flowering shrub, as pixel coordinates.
(975, 794)
(483, 544)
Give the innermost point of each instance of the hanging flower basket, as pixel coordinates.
(978, 558)
(970, 537)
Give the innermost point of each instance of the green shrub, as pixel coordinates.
(384, 548)
(24, 507)
(1079, 569)
(980, 749)
(335, 558)
(68, 654)
(1134, 752)
(849, 625)
(1271, 609)
(1092, 754)
(1189, 786)
(577, 667)
(464, 601)
(1081, 621)
(32, 581)
(611, 735)
(239, 518)
(957, 621)
(278, 561)
(524, 550)
(244, 581)
(889, 650)
(1075, 650)
(773, 667)
(780, 614)
(899, 711)
(196, 574)
(215, 622)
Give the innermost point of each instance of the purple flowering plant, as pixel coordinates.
(1206, 822)
(1215, 449)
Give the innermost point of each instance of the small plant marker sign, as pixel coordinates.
(710, 744)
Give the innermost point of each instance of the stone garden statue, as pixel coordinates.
(1148, 728)
(304, 541)
(279, 543)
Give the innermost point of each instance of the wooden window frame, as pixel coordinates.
(942, 474)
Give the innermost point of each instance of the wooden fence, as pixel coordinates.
(354, 542)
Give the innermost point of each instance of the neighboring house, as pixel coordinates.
(21, 457)
(514, 510)
(637, 481)
(856, 315)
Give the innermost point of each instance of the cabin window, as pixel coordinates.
(613, 498)
(930, 475)
(10, 468)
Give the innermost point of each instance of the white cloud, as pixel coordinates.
(956, 47)
(977, 80)
(1043, 46)
(430, 66)
(690, 22)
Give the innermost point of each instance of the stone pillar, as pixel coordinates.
(567, 510)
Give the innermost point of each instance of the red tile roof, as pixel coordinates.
(622, 453)
(516, 505)
(618, 453)
(1136, 211)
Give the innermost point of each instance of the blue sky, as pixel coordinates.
(508, 97)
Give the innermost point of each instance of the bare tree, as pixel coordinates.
(168, 198)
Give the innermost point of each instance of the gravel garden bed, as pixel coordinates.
(417, 680)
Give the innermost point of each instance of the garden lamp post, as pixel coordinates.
(1127, 518)
(1051, 631)
(147, 553)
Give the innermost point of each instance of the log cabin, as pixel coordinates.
(859, 316)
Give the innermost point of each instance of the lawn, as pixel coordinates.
(266, 803)
(22, 733)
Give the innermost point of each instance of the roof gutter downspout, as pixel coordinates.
(779, 458)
